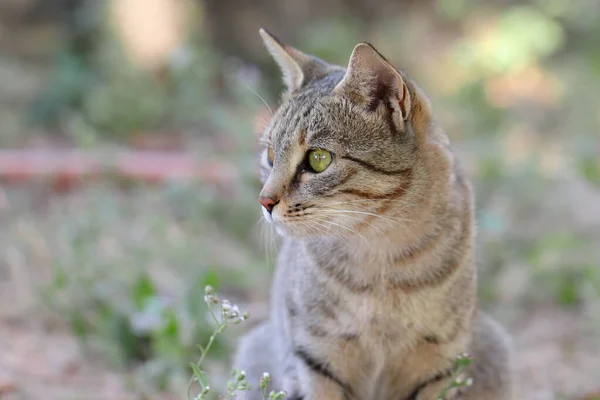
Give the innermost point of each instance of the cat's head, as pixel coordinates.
(344, 153)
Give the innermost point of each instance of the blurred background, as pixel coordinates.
(128, 176)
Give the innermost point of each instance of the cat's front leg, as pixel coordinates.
(318, 382)
(318, 387)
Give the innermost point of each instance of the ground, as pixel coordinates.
(37, 363)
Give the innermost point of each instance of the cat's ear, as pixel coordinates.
(297, 68)
(372, 80)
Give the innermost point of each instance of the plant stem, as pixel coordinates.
(205, 349)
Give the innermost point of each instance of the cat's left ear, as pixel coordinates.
(373, 81)
(297, 68)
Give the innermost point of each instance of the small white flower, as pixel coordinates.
(266, 375)
(469, 382)
(226, 305)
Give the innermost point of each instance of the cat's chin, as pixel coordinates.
(291, 231)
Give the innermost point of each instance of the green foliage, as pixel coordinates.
(72, 78)
(99, 85)
(512, 42)
(227, 314)
(458, 378)
(589, 167)
(108, 260)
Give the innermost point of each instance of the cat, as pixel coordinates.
(374, 294)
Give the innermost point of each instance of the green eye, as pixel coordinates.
(270, 155)
(319, 159)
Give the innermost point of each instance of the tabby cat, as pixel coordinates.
(375, 290)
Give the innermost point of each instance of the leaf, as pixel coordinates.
(568, 294)
(60, 278)
(210, 278)
(143, 290)
(171, 329)
(79, 324)
(589, 168)
(199, 375)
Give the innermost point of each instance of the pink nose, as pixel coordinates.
(268, 203)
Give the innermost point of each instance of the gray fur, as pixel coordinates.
(375, 290)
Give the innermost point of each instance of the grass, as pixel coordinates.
(125, 271)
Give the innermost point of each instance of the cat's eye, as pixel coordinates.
(319, 159)
(270, 155)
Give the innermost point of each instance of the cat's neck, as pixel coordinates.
(376, 249)
(411, 251)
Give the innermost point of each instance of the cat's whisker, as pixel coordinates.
(273, 238)
(358, 212)
(396, 220)
(319, 222)
(263, 235)
(260, 98)
(350, 202)
(348, 229)
(336, 233)
(324, 229)
(354, 217)
(267, 235)
(310, 229)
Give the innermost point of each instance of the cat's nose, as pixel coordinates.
(268, 203)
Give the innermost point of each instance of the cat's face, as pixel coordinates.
(339, 155)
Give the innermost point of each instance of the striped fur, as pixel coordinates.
(375, 290)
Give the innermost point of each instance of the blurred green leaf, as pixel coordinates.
(199, 375)
(569, 292)
(453, 9)
(522, 34)
(71, 79)
(143, 290)
(79, 324)
(210, 278)
(589, 168)
(60, 278)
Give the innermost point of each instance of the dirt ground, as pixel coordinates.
(553, 361)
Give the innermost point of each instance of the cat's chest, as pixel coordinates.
(385, 320)
(389, 334)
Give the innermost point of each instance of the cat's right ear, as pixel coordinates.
(297, 68)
